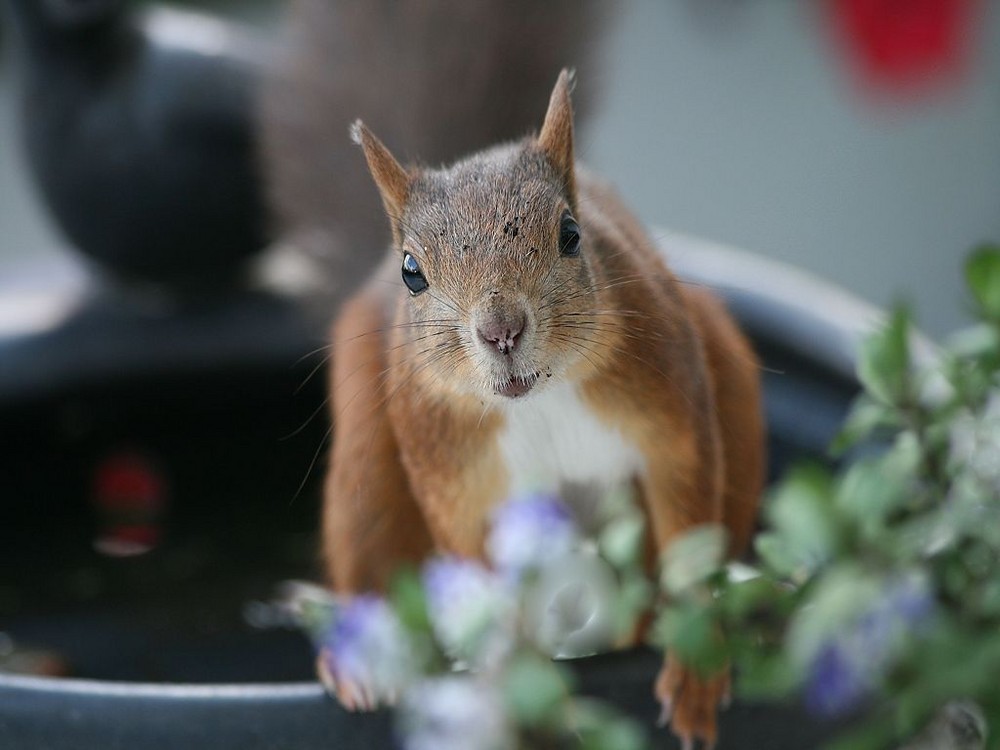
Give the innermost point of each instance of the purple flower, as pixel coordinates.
(904, 608)
(454, 713)
(851, 664)
(366, 649)
(472, 609)
(836, 684)
(529, 532)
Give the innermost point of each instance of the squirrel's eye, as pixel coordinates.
(413, 277)
(569, 236)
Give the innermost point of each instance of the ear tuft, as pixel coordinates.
(570, 75)
(356, 128)
(556, 136)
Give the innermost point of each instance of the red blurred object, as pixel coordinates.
(127, 480)
(130, 495)
(907, 44)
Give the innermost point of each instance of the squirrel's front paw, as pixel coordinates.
(352, 694)
(689, 702)
(365, 658)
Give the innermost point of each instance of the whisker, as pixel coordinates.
(312, 464)
(308, 420)
(307, 355)
(312, 373)
(439, 323)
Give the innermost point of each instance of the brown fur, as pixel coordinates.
(414, 391)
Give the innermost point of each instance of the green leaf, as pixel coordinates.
(690, 631)
(408, 598)
(316, 618)
(873, 488)
(621, 540)
(598, 726)
(685, 628)
(842, 594)
(777, 554)
(744, 597)
(633, 600)
(975, 341)
(617, 734)
(765, 676)
(693, 557)
(802, 514)
(884, 361)
(863, 494)
(982, 273)
(534, 688)
(989, 599)
(865, 416)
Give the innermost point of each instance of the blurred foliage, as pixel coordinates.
(877, 594)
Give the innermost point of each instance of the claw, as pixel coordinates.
(323, 672)
(355, 697)
(368, 696)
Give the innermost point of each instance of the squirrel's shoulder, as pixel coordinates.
(604, 213)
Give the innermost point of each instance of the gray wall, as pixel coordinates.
(747, 127)
(742, 124)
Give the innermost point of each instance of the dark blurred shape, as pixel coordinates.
(138, 128)
(906, 46)
(435, 79)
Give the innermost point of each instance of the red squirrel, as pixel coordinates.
(536, 332)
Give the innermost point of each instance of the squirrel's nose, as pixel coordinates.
(502, 332)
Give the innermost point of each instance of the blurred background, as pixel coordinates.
(751, 122)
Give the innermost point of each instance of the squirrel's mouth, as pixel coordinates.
(516, 387)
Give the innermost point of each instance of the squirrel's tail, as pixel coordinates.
(436, 79)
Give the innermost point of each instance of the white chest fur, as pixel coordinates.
(553, 441)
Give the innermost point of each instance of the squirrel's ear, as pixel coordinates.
(392, 180)
(556, 138)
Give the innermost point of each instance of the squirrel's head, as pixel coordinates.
(496, 265)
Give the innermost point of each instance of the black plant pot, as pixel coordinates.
(174, 648)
